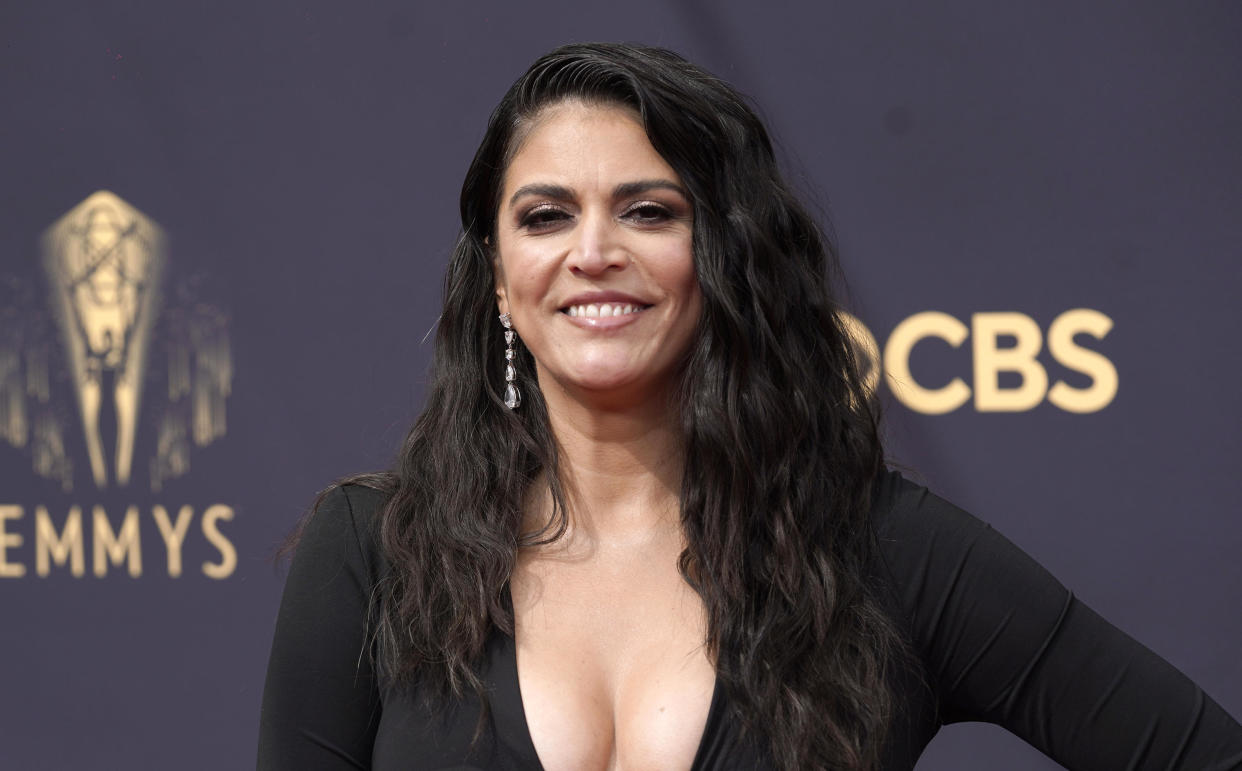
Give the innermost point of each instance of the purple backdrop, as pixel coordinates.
(302, 161)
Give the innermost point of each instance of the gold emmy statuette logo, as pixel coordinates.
(114, 316)
(104, 261)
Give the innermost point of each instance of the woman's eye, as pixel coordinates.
(542, 218)
(648, 213)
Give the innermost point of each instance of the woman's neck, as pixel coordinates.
(620, 467)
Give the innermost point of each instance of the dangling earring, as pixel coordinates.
(513, 397)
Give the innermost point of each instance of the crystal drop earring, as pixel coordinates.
(513, 397)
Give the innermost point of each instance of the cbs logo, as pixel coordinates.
(986, 333)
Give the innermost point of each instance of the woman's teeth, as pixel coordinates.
(602, 310)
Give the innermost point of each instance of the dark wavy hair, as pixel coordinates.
(779, 432)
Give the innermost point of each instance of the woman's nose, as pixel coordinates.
(598, 247)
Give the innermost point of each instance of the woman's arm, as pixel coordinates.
(1002, 641)
(321, 705)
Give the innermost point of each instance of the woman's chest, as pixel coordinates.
(612, 667)
(459, 734)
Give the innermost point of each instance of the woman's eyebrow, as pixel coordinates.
(557, 192)
(627, 189)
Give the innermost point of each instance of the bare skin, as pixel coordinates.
(611, 661)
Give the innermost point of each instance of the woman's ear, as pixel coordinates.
(498, 273)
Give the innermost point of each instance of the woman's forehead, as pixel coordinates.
(581, 139)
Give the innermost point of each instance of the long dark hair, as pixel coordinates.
(781, 446)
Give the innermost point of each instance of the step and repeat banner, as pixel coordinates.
(221, 244)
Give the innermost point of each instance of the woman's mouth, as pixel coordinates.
(603, 310)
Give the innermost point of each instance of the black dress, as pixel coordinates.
(999, 640)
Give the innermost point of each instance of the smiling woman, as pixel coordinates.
(682, 549)
(594, 257)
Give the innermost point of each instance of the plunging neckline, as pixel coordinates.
(713, 707)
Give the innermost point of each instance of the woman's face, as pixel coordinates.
(593, 254)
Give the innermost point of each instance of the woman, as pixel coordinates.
(644, 521)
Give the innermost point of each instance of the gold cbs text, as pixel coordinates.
(990, 359)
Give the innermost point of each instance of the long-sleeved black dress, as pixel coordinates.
(999, 639)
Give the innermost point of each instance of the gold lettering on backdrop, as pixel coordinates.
(991, 360)
(228, 555)
(174, 535)
(104, 260)
(116, 548)
(59, 548)
(67, 546)
(10, 541)
(931, 401)
(1103, 374)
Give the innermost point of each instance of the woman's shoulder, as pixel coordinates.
(358, 499)
(903, 510)
(931, 550)
(343, 525)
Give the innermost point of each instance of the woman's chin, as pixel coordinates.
(603, 382)
(608, 385)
